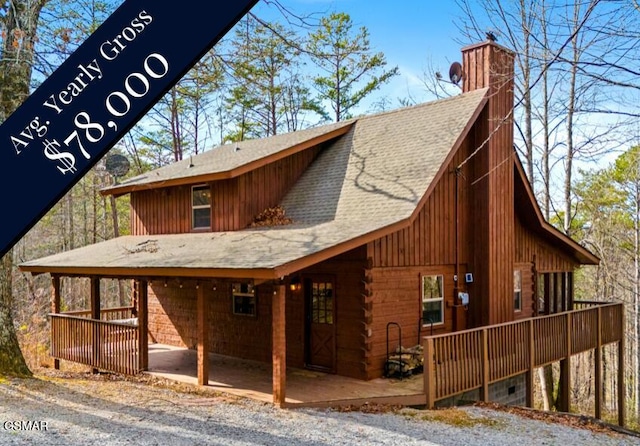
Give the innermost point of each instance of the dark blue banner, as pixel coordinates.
(96, 96)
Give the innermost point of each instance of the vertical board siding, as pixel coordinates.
(161, 211)
(431, 238)
(235, 201)
(547, 257)
(494, 190)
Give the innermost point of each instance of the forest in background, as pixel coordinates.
(577, 85)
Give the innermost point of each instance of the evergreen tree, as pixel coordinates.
(349, 68)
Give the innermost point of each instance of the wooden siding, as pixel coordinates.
(397, 298)
(493, 193)
(431, 238)
(235, 201)
(348, 269)
(172, 316)
(172, 312)
(530, 247)
(527, 273)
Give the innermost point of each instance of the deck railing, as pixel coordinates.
(111, 346)
(106, 314)
(473, 359)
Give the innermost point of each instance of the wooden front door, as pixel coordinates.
(320, 323)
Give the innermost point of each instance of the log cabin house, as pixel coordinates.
(421, 218)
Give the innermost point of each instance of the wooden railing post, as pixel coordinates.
(55, 308)
(598, 364)
(532, 363)
(95, 314)
(429, 373)
(485, 365)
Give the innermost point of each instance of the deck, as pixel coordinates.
(253, 379)
(454, 363)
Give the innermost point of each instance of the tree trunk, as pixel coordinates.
(12, 362)
(546, 384)
(15, 76)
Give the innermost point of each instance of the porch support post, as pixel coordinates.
(55, 308)
(571, 289)
(203, 338)
(143, 327)
(598, 365)
(547, 293)
(556, 296)
(95, 315)
(279, 345)
(621, 392)
(564, 304)
(565, 372)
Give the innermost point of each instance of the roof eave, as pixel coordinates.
(582, 254)
(130, 272)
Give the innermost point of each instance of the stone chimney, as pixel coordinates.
(489, 65)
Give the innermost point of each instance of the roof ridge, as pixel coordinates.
(421, 104)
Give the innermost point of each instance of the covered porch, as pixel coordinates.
(304, 388)
(117, 340)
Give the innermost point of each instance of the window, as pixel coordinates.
(432, 300)
(517, 291)
(244, 299)
(322, 303)
(201, 205)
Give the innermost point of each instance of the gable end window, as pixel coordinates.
(244, 299)
(201, 207)
(517, 290)
(432, 300)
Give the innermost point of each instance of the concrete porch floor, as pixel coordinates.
(252, 379)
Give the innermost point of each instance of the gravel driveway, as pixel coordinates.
(102, 411)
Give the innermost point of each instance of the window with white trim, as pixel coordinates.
(517, 290)
(432, 300)
(201, 207)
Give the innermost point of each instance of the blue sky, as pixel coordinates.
(411, 33)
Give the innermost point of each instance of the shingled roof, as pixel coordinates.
(230, 160)
(365, 183)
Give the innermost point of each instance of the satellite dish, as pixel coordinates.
(117, 165)
(455, 73)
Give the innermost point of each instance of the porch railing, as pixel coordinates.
(111, 346)
(106, 314)
(472, 359)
